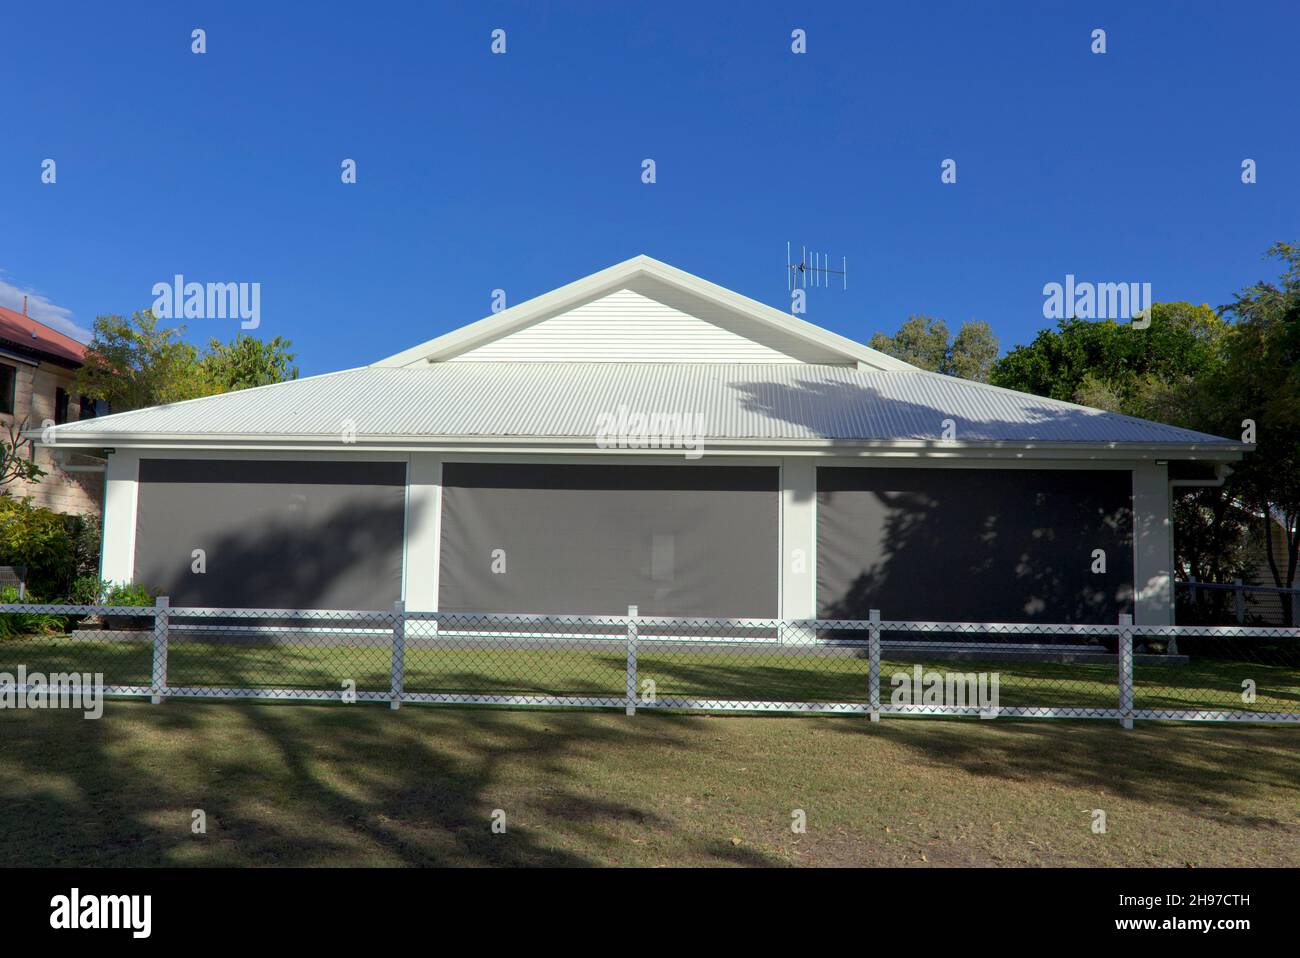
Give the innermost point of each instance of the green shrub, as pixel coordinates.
(127, 593)
(51, 550)
(86, 590)
(83, 531)
(26, 623)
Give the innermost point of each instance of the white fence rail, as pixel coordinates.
(1122, 672)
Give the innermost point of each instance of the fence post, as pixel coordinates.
(399, 655)
(631, 659)
(873, 665)
(1126, 670)
(1171, 647)
(1240, 593)
(160, 626)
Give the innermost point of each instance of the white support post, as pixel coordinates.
(799, 548)
(398, 677)
(1126, 670)
(631, 659)
(873, 665)
(423, 510)
(117, 555)
(1152, 545)
(160, 627)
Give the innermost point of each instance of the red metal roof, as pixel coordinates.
(27, 332)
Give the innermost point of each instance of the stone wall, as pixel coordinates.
(80, 493)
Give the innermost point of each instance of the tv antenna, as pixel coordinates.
(812, 269)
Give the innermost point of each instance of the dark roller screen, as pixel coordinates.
(592, 540)
(1011, 545)
(281, 535)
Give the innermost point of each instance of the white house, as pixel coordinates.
(642, 436)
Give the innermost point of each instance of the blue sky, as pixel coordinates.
(523, 171)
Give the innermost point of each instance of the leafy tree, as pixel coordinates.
(1260, 382)
(1115, 366)
(245, 362)
(926, 343)
(922, 341)
(973, 352)
(132, 363)
(1211, 540)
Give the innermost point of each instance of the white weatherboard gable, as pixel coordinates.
(642, 310)
(648, 322)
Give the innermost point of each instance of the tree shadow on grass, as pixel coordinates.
(1204, 770)
(304, 785)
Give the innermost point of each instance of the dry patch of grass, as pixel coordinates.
(340, 785)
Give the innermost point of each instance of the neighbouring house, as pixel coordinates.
(644, 437)
(1262, 571)
(37, 366)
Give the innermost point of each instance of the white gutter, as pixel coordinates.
(88, 468)
(1221, 472)
(97, 467)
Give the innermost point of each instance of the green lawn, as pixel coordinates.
(297, 784)
(737, 675)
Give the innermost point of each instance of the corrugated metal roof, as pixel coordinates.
(565, 400)
(28, 333)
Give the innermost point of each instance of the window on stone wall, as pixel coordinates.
(8, 384)
(60, 406)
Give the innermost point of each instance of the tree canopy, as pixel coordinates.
(245, 362)
(926, 343)
(1258, 386)
(1119, 367)
(133, 363)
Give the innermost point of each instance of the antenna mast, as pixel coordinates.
(812, 266)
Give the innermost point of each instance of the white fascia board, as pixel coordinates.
(712, 447)
(557, 300)
(515, 317)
